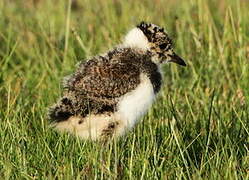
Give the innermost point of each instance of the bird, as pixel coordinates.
(108, 94)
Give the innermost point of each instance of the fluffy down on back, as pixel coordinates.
(107, 94)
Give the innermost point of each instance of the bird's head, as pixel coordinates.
(154, 39)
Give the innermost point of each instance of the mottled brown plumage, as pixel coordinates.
(98, 83)
(100, 97)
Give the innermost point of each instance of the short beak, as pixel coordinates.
(176, 59)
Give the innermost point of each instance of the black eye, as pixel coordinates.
(163, 46)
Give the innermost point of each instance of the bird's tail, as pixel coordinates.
(62, 110)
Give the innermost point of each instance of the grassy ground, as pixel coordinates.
(197, 129)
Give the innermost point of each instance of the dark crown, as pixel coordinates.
(150, 29)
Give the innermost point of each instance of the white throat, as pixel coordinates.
(136, 39)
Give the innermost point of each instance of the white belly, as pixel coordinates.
(136, 103)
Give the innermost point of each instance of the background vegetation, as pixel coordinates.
(197, 129)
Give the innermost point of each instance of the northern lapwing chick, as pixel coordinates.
(109, 93)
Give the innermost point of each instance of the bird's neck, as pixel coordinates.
(136, 39)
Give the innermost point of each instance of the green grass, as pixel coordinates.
(197, 129)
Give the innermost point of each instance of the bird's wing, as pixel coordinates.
(105, 80)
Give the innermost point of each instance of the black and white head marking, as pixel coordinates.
(159, 43)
